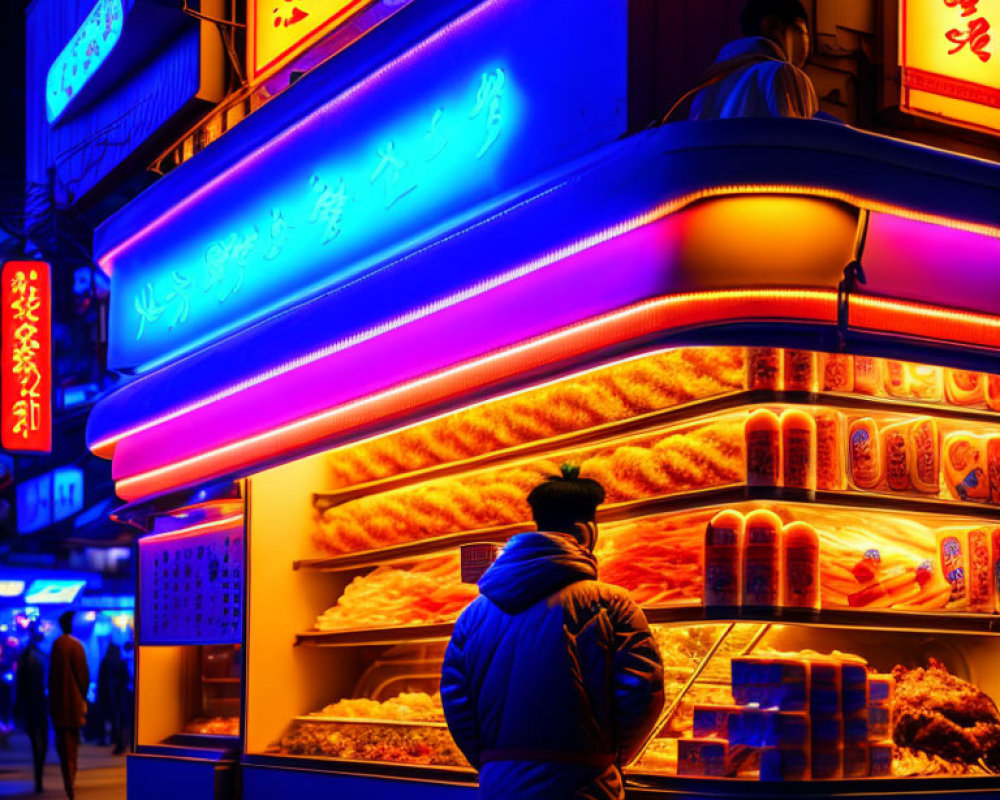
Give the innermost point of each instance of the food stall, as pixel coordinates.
(774, 342)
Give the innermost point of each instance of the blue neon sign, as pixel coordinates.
(83, 56)
(370, 175)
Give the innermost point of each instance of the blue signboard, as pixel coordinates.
(495, 97)
(83, 56)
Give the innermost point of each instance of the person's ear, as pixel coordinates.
(586, 534)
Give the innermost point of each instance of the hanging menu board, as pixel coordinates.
(191, 587)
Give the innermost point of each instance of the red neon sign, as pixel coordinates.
(26, 384)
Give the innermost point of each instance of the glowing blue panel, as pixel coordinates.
(83, 56)
(51, 592)
(493, 98)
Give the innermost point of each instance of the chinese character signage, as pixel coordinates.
(82, 57)
(27, 357)
(279, 30)
(192, 587)
(950, 61)
(377, 170)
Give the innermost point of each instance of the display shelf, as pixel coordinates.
(421, 772)
(410, 551)
(876, 619)
(641, 785)
(649, 423)
(399, 723)
(692, 613)
(199, 741)
(636, 509)
(376, 636)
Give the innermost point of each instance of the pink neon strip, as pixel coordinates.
(182, 533)
(106, 446)
(623, 325)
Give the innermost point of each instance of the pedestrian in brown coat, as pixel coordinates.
(69, 678)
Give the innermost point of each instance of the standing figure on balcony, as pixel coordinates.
(761, 75)
(552, 681)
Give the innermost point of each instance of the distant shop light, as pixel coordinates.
(53, 592)
(11, 588)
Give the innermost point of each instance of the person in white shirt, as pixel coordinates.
(761, 74)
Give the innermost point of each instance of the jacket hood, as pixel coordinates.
(533, 566)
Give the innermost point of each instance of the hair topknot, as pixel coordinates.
(561, 501)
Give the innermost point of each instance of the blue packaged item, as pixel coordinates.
(785, 729)
(713, 720)
(784, 764)
(856, 729)
(827, 730)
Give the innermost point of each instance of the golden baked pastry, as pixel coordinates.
(692, 458)
(604, 395)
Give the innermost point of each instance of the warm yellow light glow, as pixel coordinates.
(277, 31)
(950, 61)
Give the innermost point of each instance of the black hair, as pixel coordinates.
(66, 621)
(561, 501)
(756, 11)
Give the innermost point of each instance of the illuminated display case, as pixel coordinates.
(362, 546)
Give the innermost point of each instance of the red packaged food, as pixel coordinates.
(763, 368)
(896, 446)
(800, 371)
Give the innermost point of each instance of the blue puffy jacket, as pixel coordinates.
(552, 680)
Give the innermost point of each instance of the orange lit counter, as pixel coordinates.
(355, 577)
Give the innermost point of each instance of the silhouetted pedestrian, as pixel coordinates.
(69, 678)
(30, 706)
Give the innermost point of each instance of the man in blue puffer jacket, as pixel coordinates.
(552, 680)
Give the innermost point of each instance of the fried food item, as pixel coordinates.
(428, 592)
(679, 460)
(657, 559)
(215, 726)
(907, 762)
(396, 744)
(605, 395)
(945, 716)
(404, 707)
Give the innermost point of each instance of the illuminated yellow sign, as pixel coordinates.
(950, 58)
(280, 29)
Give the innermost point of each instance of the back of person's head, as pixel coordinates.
(563, 503)
(66, 621)
(113, 652)
(756, 11)
(34, 635)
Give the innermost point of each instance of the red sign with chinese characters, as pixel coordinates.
(950, 67)
(27, 356)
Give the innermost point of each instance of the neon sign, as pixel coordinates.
(83, 56)
(373, 173)
(950, 67)
(277, 31)
(27, 357)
